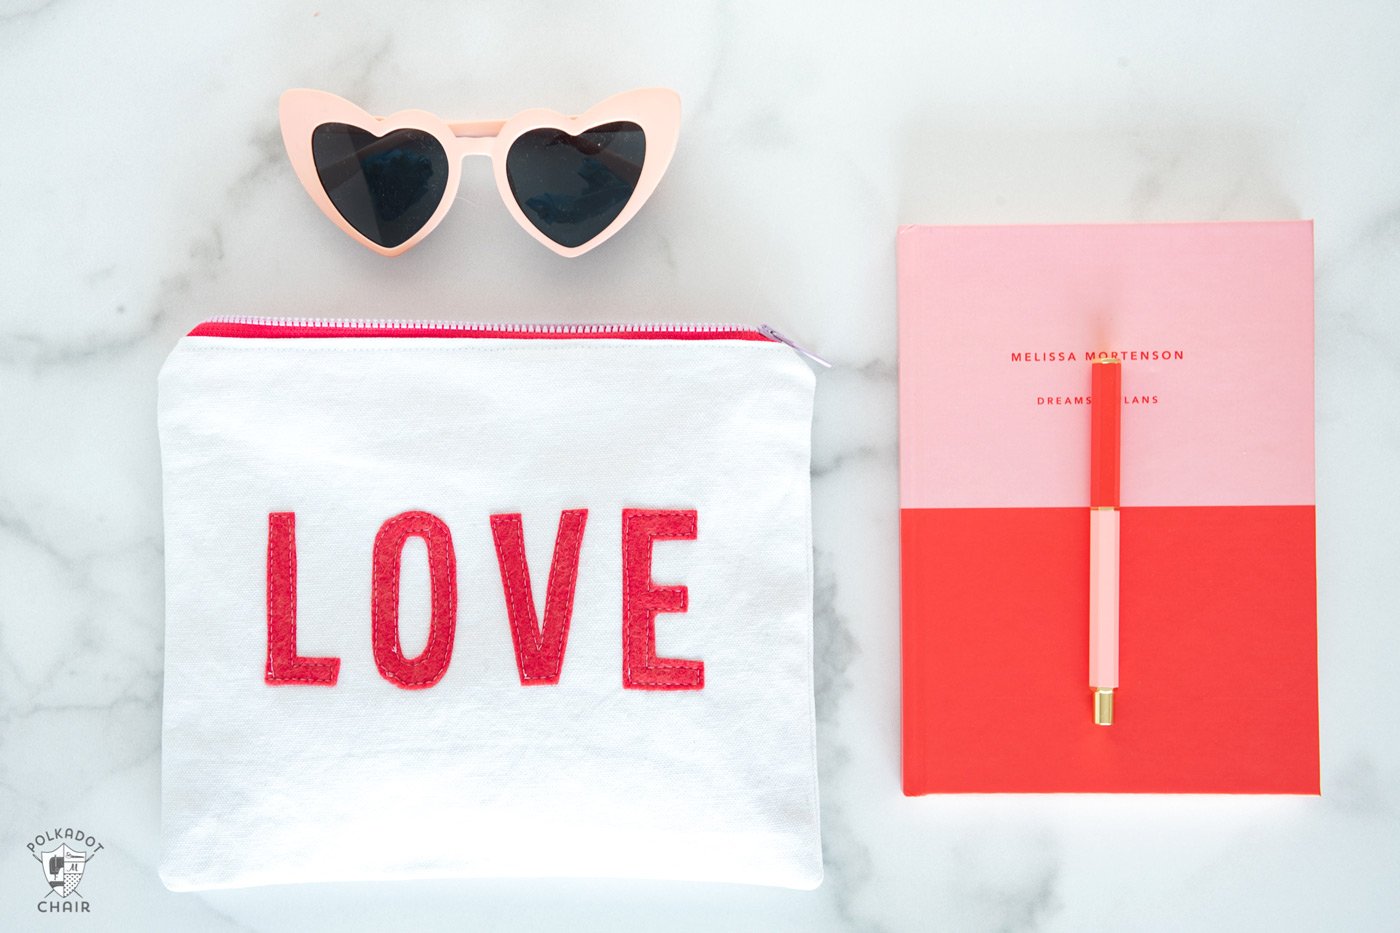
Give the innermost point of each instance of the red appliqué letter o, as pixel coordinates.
(428, 668)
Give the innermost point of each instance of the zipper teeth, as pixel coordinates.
(505, 328)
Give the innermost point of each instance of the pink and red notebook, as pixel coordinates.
(1218, 656)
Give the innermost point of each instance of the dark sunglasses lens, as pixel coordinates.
(386, 187)
(572, 187)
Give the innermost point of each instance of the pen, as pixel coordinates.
(1105, 436)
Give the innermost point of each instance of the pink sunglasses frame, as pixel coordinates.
(656, 110)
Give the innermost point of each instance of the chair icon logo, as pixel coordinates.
(63, 868)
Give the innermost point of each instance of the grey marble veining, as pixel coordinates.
(143, 188)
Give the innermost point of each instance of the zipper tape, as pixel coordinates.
(286, 327)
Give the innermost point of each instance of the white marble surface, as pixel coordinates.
(143, 188)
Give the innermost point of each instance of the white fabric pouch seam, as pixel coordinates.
(645, 490)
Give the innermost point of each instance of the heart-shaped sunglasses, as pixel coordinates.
(571, 182)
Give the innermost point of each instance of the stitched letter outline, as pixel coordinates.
(642, 600)
(428, 668)
(284, 665)
(539, 650)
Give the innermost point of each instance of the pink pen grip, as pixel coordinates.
(1103, 598)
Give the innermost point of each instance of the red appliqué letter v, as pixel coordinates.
(539, 650)
(284, 665)
(642, 600)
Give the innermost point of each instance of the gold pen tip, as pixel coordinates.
(1103, 706)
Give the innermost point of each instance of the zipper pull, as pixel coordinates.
(772, 334)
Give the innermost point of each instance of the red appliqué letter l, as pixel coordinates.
(284, 665)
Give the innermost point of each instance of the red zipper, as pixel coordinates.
(270, 327)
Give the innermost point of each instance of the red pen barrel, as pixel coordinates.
(1105, 433)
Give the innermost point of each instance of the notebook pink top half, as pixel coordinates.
(1213, 322)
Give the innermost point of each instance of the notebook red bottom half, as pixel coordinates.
(1217, 661)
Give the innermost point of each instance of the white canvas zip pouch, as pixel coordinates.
(460, 600)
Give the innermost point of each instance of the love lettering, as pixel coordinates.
(539, 642)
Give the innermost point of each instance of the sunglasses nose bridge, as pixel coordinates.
(475, 146)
